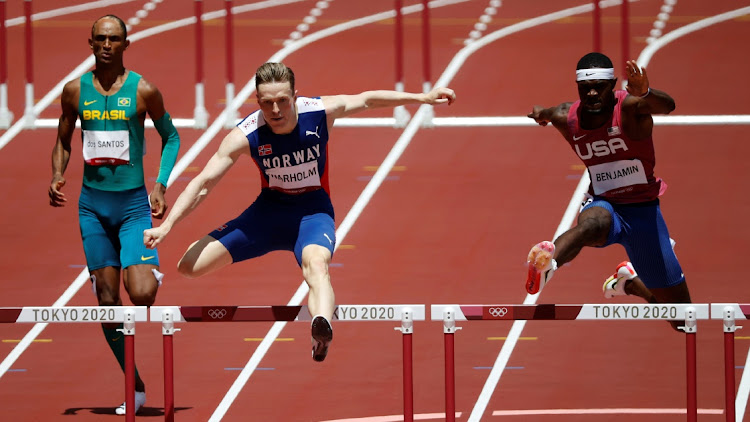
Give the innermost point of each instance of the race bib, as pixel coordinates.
(618, 174)
(106, 147)
(294, 179)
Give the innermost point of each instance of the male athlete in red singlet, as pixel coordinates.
(610, 131)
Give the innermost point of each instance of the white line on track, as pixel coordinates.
(613, 411)
(64, 11)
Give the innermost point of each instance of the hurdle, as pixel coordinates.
(128, 316)
(169, 315)
(729, 312)
(688, 312)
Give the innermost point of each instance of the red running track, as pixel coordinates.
(452, 224)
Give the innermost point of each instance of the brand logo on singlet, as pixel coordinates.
(601, 148)
(309, 132)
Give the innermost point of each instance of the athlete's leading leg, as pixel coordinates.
(202, 257)
(592, 230)
(544, 258)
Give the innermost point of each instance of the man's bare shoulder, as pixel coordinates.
(71, 92)
(147, 89)
(72, 86)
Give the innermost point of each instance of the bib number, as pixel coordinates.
(106, 147)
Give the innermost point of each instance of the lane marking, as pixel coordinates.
(64, 11)
(261, 339)
(375, 168)
(625, 411)
(395, 418)
(519, 338)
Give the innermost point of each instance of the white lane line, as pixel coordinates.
(652, 48)
(64, 11)
(613, 411)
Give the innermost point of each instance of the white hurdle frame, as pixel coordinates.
(689, 312)
(168, 315)
(127, 315)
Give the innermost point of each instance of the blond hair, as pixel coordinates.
(274, 72)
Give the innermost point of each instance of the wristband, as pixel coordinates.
(646, 94)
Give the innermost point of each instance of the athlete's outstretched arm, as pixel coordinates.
(557, 115)
(61, 150)
(233, 145)
(346, 105)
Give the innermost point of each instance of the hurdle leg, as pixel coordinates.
(407, 329)
(690, 329)
(167, 331)
(128, 331)
(449, 329)
(729, 329)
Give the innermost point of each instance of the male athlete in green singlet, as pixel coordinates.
(114, 207)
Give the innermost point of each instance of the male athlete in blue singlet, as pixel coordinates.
(610, 131)
(288, 141)
(114, 206)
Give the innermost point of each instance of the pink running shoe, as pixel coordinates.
(615, 284)
(541, 266)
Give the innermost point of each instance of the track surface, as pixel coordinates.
(451, 224)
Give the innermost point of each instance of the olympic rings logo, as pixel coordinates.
(217, 313)
(498, 312)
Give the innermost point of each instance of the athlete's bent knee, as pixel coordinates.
(316, 264)
(143, 296)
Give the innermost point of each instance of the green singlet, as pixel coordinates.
(113, 141)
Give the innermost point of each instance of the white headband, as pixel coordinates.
(595, 73)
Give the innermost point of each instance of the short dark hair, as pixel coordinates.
(274, 72)
(593, 60)
(119, 21)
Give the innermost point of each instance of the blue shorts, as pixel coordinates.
(112, 225)
(278, 222)
(641, 229)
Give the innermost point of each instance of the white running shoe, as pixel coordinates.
(615, 284)
(140, 400)
(541, 266)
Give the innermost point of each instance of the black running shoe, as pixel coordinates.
(322, 334)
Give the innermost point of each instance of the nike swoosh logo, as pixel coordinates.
(146, 258)
(575, 138)
(89, 102)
